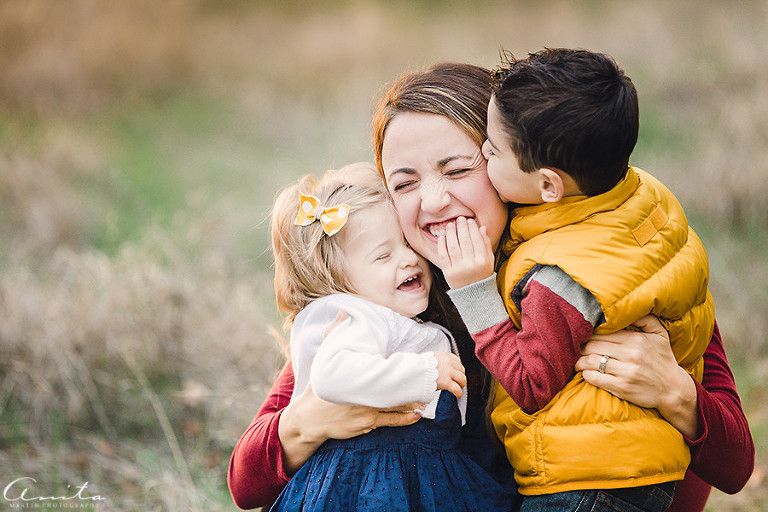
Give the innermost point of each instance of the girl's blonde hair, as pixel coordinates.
(308, 263)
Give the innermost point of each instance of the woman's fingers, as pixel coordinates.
(480, 243)
(464, 237)
(452, 242)
(405, 408)
(442, 252)
(651, 325)
(607, 381)
(395, 418)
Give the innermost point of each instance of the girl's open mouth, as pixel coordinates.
(411, 284)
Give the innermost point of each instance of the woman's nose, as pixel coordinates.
(434, 195)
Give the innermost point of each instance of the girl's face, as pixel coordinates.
(436, 173)
(379, 264)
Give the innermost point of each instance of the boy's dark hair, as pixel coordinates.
(573, 110)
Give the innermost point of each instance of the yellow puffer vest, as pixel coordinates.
(633, 249)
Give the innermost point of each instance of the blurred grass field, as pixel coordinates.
(141, 144)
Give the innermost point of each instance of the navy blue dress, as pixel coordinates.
(415, 468)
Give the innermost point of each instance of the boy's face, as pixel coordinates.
(380, 265)
(512, 184)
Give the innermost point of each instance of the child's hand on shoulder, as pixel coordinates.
(465, 253)
(450, 373)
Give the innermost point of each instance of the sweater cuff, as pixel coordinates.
(480, 304)
(279, 455)
(702, 426)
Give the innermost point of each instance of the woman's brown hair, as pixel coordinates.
(459, 92)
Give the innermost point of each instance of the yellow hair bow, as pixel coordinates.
(332, 219)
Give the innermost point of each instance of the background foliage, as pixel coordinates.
(141, 144)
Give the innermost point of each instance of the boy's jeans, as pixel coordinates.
(651, 498)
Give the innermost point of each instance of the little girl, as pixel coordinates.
(338, 247)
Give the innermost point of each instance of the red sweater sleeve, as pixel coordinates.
(535, 363)
(724, 453)
(256, 475)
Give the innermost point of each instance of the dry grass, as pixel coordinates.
(99, 354)
(137, 364)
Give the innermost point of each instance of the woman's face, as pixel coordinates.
(437, 173)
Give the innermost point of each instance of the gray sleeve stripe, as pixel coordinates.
(479, 304)
(572, 292)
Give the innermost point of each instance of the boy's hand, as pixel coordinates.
(465, 253)
(450, 373)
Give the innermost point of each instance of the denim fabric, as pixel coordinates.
(651, 498)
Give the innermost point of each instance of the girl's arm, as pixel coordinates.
(643, 370)
(360, 362)
(284, 434)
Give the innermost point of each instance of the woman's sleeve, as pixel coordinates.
(724, 453)
(256, 475)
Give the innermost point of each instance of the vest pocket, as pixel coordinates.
(524, 443)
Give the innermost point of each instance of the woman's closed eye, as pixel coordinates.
(402, 187)
(456, 172)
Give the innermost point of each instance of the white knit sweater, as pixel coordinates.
(376, 357)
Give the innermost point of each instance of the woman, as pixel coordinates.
(427, 133)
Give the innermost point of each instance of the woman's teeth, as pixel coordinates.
(438, 229)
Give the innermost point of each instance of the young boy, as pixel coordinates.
(594, 245)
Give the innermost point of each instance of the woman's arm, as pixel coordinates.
(285, 433)
(725, 437)
(643, 370)
(256, 469)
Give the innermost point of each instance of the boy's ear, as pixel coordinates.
(551, 185)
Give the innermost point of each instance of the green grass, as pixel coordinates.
(147, 146)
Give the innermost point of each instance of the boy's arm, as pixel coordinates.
(534, 363)
(558, 316)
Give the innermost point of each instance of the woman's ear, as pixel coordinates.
(551, 185)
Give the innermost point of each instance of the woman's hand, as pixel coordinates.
(308, 421)
(642, 369)
(450, 373)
